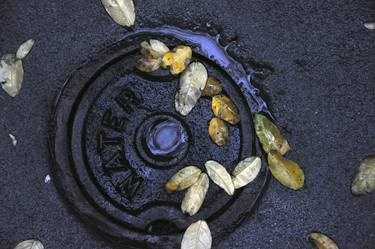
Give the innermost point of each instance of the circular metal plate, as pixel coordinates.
(117, 139)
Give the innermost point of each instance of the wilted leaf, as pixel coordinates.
(218, 131)
(269, 135)
(24, 49)
(287, 172)
(11, 74)
(13, 138)
(148, 64)
(364, 179)
(212, 88)
(197, 236)
(369, 25)
(225, 109)
(178, 59)
(220, 176)
(30, 244)
(246, 171)
(195, 195)
(121, 11)
(183, 179)
(153, 49)
(322, 241)
(192, 81)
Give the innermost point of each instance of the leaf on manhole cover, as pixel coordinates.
(152, 51)
(178, 59)
(197, 236)
(25, 49)
(220, 176)
(212, 88)
(192, 82)
(246, 171)
(183, 179)
(364, 179)
(322, 241)
(121, 11)
(30, 244)
(225, 109)
(287, 172)
(218, 131)
(269, 135)
(195, 195)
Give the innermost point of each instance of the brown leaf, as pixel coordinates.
(218, 131)
(212, 88)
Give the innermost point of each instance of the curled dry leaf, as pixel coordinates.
(152, 52)
(269, 135)
(30, 244)
(322, 241)
(121, 11)
(370, 25)
(195, 195)
(183, 179)
(220, 176)
(287, 172)
(192, 81)
(178, 59)
(364, 179)
(25, 49)
(212, 88)
(246, 171)
(225, 109)
(13, 138)
(197, 236)
(11, 74)
(218, 131)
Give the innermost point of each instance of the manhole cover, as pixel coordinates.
(117, 139)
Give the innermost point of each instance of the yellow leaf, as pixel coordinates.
(218, 131)
(287, 172)
(322, 241)
(225, 109)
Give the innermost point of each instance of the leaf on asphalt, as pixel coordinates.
(220, 176)
(30, 244)
(197, 236)
(25, 49)
(246, 171)
(364, 179)
(121, 11)
(322, 241)
(269, 135)
(11, 74)
(287, 172)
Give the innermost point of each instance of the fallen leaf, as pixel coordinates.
(197, 236)
(178, 59)
(154, 49)
(287, 172)
(30, 244)
(11, 74)
(121, 11)
(192, 81)
(13, 138)
(220, 176)
(148, 64)
(269, 135)
(212, 88)
(25, 49)
(225, 109)
(218, 131)
(364, 179)
(322, 241)
(369, 25)
(246, 171)
(183, 179)
(195, 195)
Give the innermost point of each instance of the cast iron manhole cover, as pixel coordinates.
(117, 139)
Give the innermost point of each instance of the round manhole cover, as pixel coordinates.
(117, 139)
